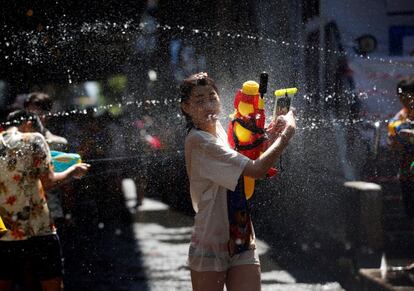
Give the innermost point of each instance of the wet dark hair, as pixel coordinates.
(405, 87)
(187, 86)
(16, 118)
(39, 99)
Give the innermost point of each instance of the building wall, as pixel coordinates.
(356, 18)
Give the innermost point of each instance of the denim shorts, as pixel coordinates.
(206, 261)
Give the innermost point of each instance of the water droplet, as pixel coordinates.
(152, 75)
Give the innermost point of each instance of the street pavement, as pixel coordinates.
(112, 245)
(163, 236)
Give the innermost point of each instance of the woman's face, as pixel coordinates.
(203, 105)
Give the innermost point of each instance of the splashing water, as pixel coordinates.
(39, 43)
(307, 123)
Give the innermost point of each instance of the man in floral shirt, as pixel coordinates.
(26, 172)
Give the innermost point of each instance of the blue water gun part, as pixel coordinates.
(62, 161)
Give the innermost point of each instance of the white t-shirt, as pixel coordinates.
(213, 168)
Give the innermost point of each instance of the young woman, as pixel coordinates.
(214, 170)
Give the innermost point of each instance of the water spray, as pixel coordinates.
(62, 161)
(35, 41)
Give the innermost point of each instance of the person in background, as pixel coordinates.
(214, 171)
(41, 104)
(31, 242)
(401, 140)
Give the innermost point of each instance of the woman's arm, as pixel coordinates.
(258, 168)
(52, 179)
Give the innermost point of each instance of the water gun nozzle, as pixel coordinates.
(286, 92)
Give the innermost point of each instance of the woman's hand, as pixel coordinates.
(290, 127)
(284, 124)
(275, 128)
(258, 168)
(52, 179)
(79, 170)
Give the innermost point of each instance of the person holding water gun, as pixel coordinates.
(215, 172)
(401, 140)
(27, 172)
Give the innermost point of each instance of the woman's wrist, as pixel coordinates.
(288, 133)
(284, 139)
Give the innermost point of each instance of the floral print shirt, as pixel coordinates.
(23, 158)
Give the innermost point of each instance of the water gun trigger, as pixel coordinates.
(62, 161)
